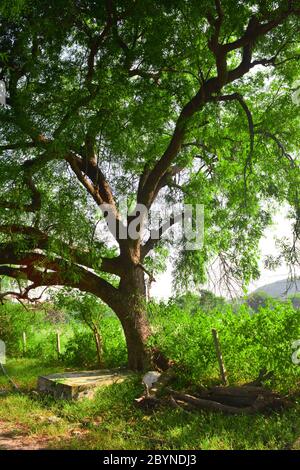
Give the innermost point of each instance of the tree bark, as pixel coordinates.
(132, 313)
(137, 332)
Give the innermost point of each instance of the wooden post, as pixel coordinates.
(58, 344)
(24, 343)
(223, 372)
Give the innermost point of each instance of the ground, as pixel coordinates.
(111, 421)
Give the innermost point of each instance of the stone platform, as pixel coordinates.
(78, 385)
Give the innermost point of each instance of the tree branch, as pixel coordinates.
(157, 235)
(36, 239)
(212, 86)
(240, 99)
(61, 273)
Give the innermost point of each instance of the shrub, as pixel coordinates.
(249, 342)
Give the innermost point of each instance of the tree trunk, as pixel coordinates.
(137, 332)
(132, 313)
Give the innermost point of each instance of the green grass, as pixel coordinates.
(111, 421)
(25, 372)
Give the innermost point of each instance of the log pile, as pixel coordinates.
(249, 398)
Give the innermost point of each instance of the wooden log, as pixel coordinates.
(210, 404)
(259, 404)
(237, 396)
(230, 400)
(240, 391)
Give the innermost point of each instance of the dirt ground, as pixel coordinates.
(14, 437)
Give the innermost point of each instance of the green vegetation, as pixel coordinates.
(112, 421)
(78, 347)
(250, 342)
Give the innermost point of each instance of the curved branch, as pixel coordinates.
(36, 239)
(212, 86)
(57, 272)
(240, 99)
(279, 144)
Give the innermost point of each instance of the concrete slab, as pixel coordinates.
(78, 385)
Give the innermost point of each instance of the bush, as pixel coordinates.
(249, 342)
(259, 299)
(14, 319)
(77, 341)
(114, 348)
(80, 349)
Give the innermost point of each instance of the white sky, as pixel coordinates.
(162, 288)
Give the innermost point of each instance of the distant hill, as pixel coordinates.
(280, 289)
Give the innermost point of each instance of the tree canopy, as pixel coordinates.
(170, 101)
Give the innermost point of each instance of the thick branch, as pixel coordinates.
(36, 239)
(212, 86)
(61, 274)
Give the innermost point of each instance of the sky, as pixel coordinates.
(162, 288)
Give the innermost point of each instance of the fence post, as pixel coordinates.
(223, 372)
(58, 344)
(24, 343)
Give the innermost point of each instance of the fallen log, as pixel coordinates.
(206, 404)
(259, 404)
(237, 396)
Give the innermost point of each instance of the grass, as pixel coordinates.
(111, 421)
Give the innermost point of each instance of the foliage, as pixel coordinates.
(295, 299)
(249, 342)
(82, 307)
(171, 100)
(204, 300)
(87, 310)
(14, 319)
(77, 341)
(80, 349)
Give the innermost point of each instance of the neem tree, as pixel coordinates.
(176, 100)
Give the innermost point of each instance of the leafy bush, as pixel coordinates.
(249, 342)
(77, 340)
(80, 349)
(114, 345)
(258, 299)
(14, 319)
(204, 300)
(295, 299)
